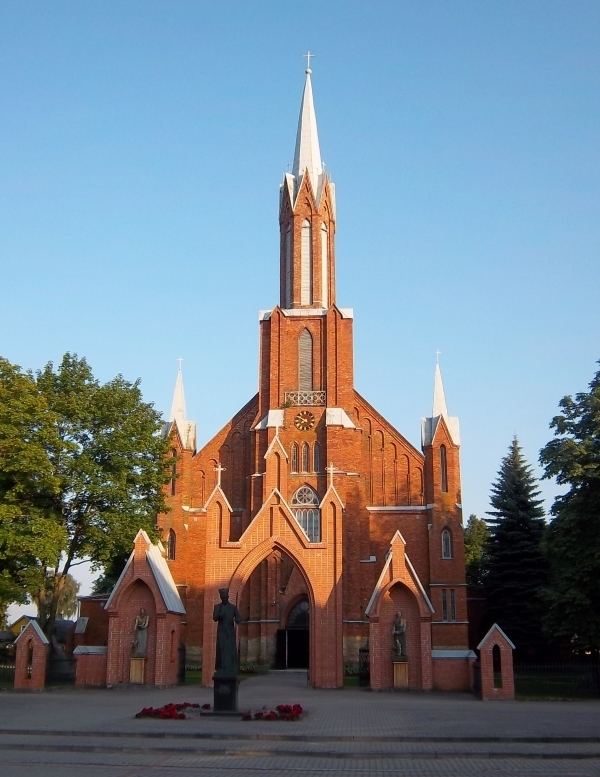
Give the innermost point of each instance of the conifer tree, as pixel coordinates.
(516, 567)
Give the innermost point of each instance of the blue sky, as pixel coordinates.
(142, 148)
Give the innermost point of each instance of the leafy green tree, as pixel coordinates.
(101, 460)
(67, 587)
(516, 565)
(477, 536)
(573, 537)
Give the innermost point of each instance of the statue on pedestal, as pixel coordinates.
(226, 614)
(399, 637)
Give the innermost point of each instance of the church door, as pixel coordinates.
(293, 641)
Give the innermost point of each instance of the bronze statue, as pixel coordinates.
(399, 636)
(226, 614)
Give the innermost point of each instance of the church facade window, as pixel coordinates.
(288, 267)
(306, 296)
(294, 465)
(305, 457)
(443, 468)
(171, 545)
(317, 457)
(305, 361)
(305, 506)
(173, 481)
(446, 544)
(324, 263)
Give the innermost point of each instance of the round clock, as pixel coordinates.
(304, 421)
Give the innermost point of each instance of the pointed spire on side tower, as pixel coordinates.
(307, 155)
(186, 429)
(440, 410)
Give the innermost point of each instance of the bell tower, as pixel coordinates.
(307, 220)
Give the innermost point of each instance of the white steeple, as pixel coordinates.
(439, 399)
(187, 429)
(440, 410)
(308, 154)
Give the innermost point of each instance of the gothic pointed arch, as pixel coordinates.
(305, 361)
(305, 507)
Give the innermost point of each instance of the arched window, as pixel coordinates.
(294, 457)
(316, 457)
(173, 471)
(305, 361)
(324, 263)
(305, 457)
(171, 545)
(305, 506)
(306, 264)
(446, 544)
(288, 267)
(444, 468)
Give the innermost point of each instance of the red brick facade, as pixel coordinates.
(496, 666)
(309, 427)
(31, 659)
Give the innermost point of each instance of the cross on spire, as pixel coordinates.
(219, 469)
(438, 353)
(180, 363)
(308, 55)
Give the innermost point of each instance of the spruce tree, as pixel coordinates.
(516, 567)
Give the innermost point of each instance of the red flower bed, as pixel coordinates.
(167, 712)
(281, 712)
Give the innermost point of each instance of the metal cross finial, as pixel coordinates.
(437, 356)
(219, 469)
(180, 362)
(308, 55)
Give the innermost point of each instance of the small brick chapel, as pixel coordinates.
(325, 523)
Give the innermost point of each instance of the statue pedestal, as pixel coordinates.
(136, 670)
(225, 693)
(401, 674)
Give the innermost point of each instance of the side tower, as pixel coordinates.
(440, 442)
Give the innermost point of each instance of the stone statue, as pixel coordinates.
(399, 636)
(140, 643)
(226, 614)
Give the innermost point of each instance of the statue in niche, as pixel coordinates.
(399, 637)
(140, 643)
(226, 615)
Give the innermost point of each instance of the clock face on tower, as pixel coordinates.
(304, 421)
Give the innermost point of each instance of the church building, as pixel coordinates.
(325, 523)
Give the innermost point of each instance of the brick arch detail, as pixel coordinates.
(275, 528)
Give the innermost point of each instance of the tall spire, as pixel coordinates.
(439, 398)
(307, 155)
(430, 425)
(187, 429)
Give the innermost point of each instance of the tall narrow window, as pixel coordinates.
(317, 457)
(324, 264)
(305, 506)
(171, 545)
(305, 361)
(444, 467)
(305, 457)
(446, 544)
(173, 471)
(452, 605)
(294, 457)
(288, 268)
(306, 264)
(444, 604)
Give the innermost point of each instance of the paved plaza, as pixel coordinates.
(71, 732)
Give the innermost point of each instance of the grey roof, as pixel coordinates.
(33, 624)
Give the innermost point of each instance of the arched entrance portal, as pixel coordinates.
(275, 613)
(293, 641)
